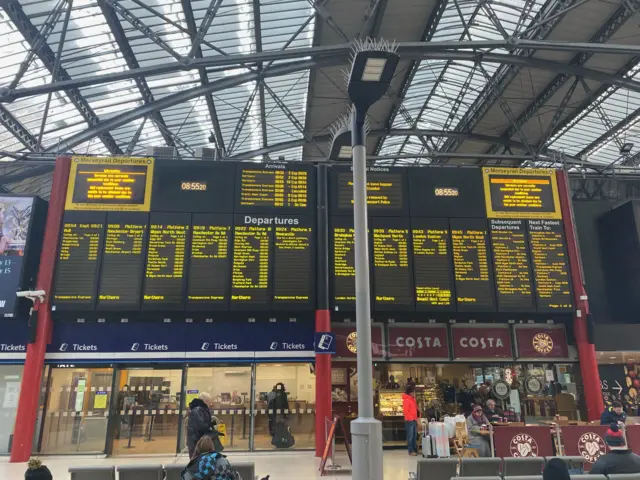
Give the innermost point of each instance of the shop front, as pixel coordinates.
(125, 388)
(527, 369)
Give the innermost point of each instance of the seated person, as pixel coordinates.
(207, 464)
(619, 459)
(613, 414)
(478, 427)
(492, 412)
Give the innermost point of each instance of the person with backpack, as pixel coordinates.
(278, 406)
(207, 464)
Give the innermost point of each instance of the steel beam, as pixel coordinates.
(243, 118)
(135, 138)
(319, 7)
(257, 31)
(373, 18)
(15, 128)
(204, 79)
(209, 15)
(338, 54)
(605, 33)
(28, 172)
(47, 57)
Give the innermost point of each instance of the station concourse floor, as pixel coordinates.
(280, 466)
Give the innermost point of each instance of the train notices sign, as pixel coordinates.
(119, 183)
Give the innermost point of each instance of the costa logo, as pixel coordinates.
(420, 342)
(523, 445)
(542, 343)
(591, 446)
(482, 342)
(352, 341)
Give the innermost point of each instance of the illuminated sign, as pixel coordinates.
(116, 184)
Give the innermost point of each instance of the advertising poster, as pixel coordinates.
(15, 218)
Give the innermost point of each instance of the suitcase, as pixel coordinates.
(428, 447)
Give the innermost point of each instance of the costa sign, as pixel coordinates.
(346, 341)
(481, 341)
(541, 341)
(428, 342)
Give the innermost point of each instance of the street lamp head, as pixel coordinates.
(341, 138)
(373, 66)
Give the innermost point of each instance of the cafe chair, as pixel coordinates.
(480, 467)
(437, 468)
(523, 466)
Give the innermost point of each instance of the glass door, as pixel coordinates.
(229, 387)
(147, 411)
(76, 410)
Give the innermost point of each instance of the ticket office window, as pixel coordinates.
(229, 387)
(75, 414)
(10, 381)
(285, 396)
(148, 413)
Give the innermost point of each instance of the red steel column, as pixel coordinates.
(34, 363)
(323, 315)
(586, 350)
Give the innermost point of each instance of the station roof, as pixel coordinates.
(508, 82)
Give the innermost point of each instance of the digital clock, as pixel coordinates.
(194, 186)
(446, 192)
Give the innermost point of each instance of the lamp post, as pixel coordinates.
(374, 64)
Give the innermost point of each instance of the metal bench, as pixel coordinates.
(480, 467)
(247, 470)
(140, 472)
(573, 463)
(174, 471)
(622, 476)
(93, 473)
(436, 468)
(523, 466)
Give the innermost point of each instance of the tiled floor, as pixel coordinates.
(280, 466)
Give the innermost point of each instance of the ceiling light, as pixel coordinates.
(626, 147)
(345, 151)
(373, 69)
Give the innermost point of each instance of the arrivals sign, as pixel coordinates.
(418, 342)
(477, 341)
(541, 341)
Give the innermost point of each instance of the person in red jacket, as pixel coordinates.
(411, 415)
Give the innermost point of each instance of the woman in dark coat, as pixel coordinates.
(201, 423)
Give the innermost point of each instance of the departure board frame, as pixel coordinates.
(289, 178)
(340, 191)
(127, 170)
(524, 184)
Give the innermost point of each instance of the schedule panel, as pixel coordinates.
(550, 266)
(78, 265)
(511, 265)
(342, 264)
(386, 191)
(275, 188)
(165, 275)
(123, 261)
(472, 265)
(433, 264)
(446, 192)
(294, 263)
(252, 264)
(195, 187)
(209, 274)
(392, 272)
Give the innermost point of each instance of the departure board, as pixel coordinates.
(512, 269)
(294, 264)
(275, 187)
(432, 264)
(209, 262)
(521, 193)
(123, 261)
(343, 264)
(164, 284)
(79, 260)
(550, 265)
(118, 183)
(251, 268)
(472, 265)
(392, 275)
(386, 191)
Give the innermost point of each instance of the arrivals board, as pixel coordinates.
(392, 273)
(164, 283)
(275, 187)
(119, 183)
(551, 265)
(79, 259)
(511, 265)
(209, 277)
(123, 261)
(472, 265)
(387, 193)
(432, 264)
(521, 193)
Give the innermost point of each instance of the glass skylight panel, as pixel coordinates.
(231, 29)
(291, 90)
